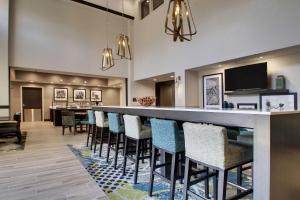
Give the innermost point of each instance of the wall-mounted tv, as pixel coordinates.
(247, 77)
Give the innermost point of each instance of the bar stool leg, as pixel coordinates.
(153, 165)
(173, 174)
(215, 186)
(117, 151)
(187, 174)
(125, 156)
(239, 178)
(95, 143)
(207, 184)
(137, 160)
(93, 135)
(222, 183)
(108, 146)
(101, 141)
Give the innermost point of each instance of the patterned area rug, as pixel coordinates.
(118, 187)
(9, 143)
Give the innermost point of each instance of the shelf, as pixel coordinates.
(256, 91)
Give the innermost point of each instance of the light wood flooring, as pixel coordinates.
(46, 168)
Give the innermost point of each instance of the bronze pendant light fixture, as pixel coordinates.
(179, 21)
(107, 55)
(123, 41)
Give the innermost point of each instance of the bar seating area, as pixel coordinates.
(196, 153)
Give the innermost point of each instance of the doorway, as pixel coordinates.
(32, 104)
(165, 93)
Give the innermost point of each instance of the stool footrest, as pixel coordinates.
(242, 194)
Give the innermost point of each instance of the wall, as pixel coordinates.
(110, 96)
(287, 65)
(226, 30)
(60, 35)
(4, 76)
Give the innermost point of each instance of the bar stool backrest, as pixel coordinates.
(114, 122)
(133, 126)
(99, 115)
(68, 118)
(206, 143)
(165, 134)
(91, 117)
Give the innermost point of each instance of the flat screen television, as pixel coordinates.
(247, 77)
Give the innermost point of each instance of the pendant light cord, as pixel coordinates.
(106, 31)
(123, 27)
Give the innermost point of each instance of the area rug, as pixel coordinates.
(118, 187)
(9, 143)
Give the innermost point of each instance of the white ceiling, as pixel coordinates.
(116, 5)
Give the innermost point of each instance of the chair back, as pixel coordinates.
(91, 117)
(17, 117)
(206, 143)
(114, 122)
(133, 126)
(99, 116)
(165, 134)
(68, 118)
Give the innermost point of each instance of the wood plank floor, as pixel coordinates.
(46, 168)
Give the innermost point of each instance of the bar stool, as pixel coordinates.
(167, 138)
(101, 129)
(141, 135)
(208, 146)
(91, 128)
(117, 129)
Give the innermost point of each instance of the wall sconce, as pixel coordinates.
(177, 81)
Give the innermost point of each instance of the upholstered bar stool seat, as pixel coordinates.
(208, 146)
(166, 138)
(101, 130)
(141, 135)
(91, 128)
(117, 129)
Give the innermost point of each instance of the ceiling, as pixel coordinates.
(116, 5)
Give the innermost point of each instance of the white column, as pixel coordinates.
(4, 70)
(180, 88)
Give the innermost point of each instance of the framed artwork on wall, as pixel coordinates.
(213, 91)
(278, 102)
(79, 94)
(60, 94)
(96, 95)
(247, 106)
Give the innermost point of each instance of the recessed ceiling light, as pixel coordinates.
(155, 79)
(31, 81)
(220, 65)
(261, 57)
(171, 76)
(85, 82)
(51, 82)
(61, 80)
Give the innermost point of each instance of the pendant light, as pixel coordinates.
(123, 41)
(107, 55)
(179, 21)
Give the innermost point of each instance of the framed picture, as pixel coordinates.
(60, 94)
(278, 102)
(247, 106)
(79, 94)
(96, 95)
(213, 91)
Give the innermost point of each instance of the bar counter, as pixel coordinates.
(276, 142)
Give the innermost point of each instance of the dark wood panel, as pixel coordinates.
(103, 8)
(32, 98)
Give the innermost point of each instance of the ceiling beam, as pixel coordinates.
(103, 8)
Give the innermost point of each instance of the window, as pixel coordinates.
(145, 8)
(157, 3)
